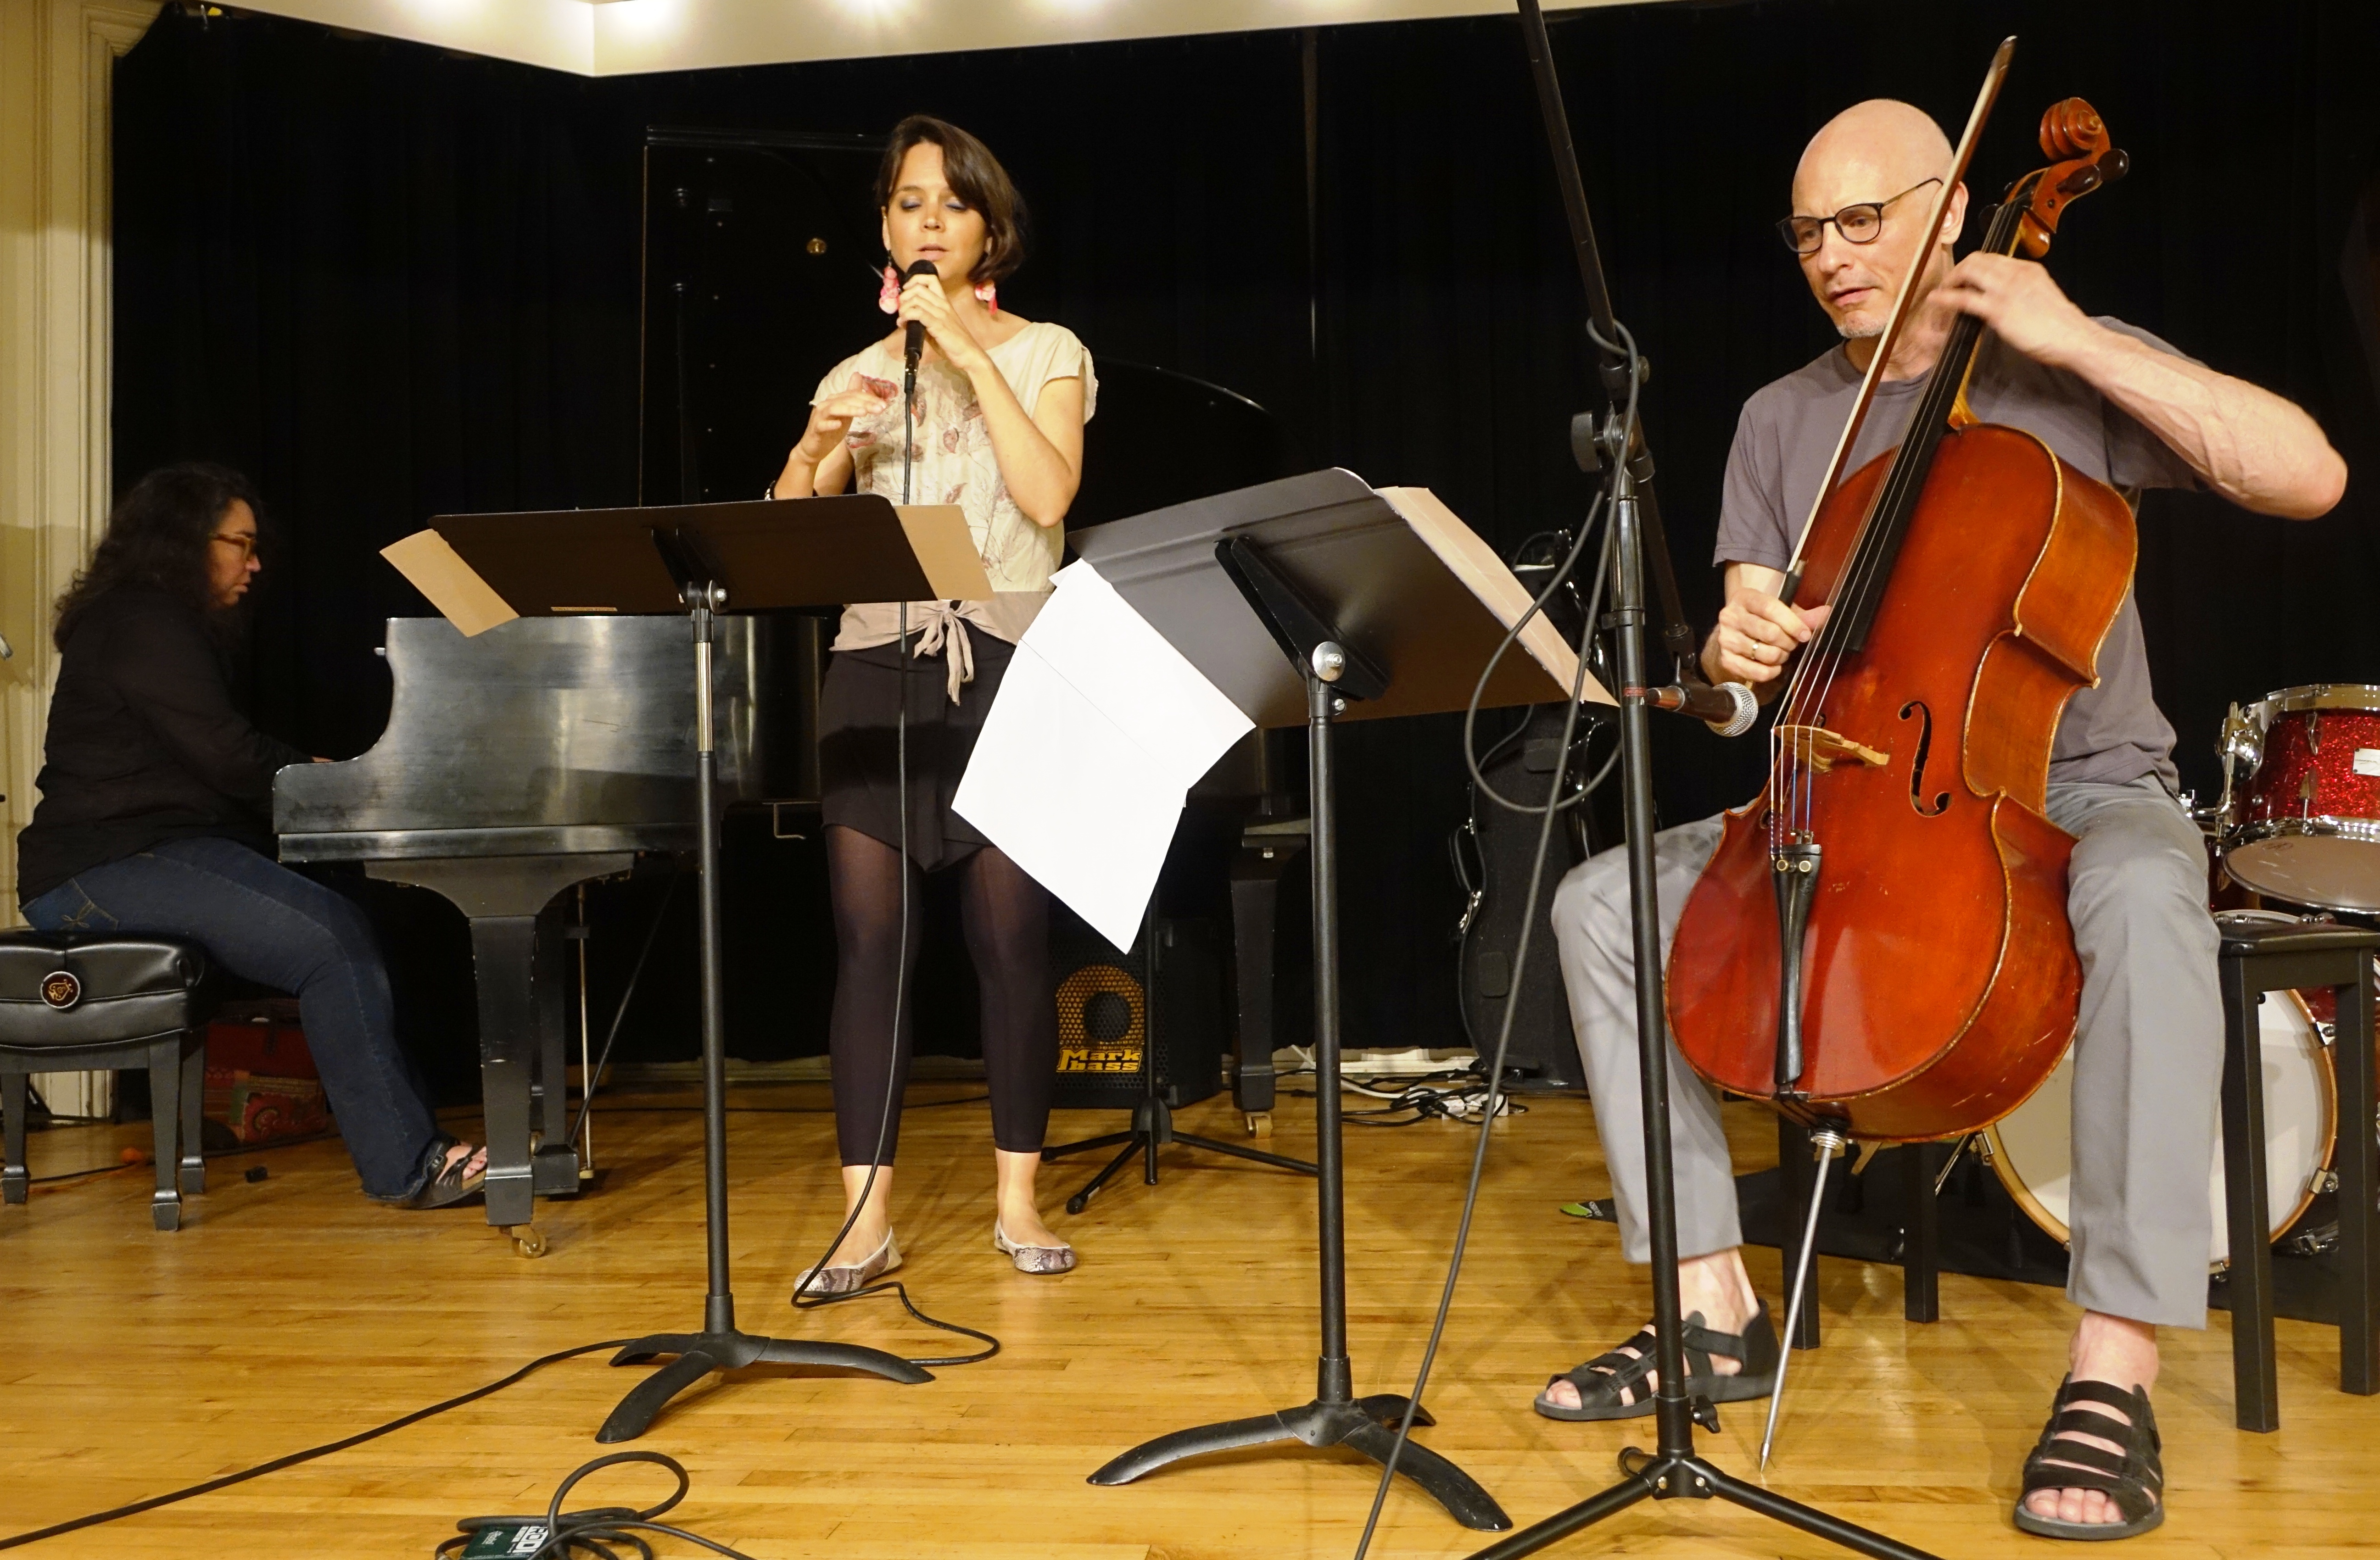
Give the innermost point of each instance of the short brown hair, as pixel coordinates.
(978, 179)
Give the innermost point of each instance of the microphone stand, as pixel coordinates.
(1674, 1470)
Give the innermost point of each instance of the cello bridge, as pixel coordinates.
(1822, 749)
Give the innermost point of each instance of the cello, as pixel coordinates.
(1880, 946)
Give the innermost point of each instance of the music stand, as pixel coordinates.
(1317, 599)
(484, 568)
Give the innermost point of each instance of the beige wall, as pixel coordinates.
(56, 61)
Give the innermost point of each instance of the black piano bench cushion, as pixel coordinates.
(60, 991)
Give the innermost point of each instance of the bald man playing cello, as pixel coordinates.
(2126, 409)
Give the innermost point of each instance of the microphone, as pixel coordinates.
(1728, 708)
(914, 338)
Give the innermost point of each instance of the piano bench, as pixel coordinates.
(69, 1002)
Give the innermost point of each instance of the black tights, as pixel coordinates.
(1007, 918)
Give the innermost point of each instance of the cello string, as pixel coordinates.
(1903, 482)
(1887, 517)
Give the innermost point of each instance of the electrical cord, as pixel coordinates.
(594, 1531)
(900, 974)
(133, 1508)
(1474, 886)
(1547, 814)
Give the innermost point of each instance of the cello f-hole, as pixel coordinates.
(1917, 766)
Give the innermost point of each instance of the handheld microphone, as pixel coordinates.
(1728, 708)
(912, 345)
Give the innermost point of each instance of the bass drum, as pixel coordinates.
(2032, 1148)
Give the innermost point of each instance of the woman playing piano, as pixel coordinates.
(155, 816)
(997, 429)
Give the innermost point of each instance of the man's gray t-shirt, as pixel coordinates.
(2113, 732)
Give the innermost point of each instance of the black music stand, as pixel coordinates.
(1316, 599)
(815, 553)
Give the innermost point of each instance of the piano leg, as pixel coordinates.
(502, 950)
(555, 1164)
(521, 977)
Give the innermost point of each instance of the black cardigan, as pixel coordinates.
(145, 745)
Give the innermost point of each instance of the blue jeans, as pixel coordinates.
(264, 923)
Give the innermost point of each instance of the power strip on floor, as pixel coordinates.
(1413, 1062)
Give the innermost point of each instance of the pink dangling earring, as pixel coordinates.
(888, 298)
(988, 295)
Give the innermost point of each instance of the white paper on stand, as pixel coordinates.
(1082, 764)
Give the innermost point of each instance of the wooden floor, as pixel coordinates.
(292, 1312)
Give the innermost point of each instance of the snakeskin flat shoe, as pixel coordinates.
(840, 1278)
(1032, 1259)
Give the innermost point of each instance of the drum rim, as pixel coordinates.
(2320, 696)
(2362, 832)
(2060, 1231)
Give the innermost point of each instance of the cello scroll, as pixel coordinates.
(2074, 136)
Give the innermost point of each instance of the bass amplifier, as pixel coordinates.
(1121, 1013)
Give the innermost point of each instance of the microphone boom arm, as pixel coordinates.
(1603, 331)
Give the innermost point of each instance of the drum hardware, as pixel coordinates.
(2305, 825)
(1973, 1142)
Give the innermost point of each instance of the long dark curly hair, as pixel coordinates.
(157, 537)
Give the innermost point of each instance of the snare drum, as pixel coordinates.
(2032, 1148)
(2307, 826)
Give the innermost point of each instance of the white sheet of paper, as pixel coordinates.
(1101, 729)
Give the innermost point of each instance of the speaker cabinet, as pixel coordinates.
(1493, 854)
(1161, 1004)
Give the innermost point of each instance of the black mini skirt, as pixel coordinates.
(859, 740)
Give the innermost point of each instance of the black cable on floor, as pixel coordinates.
(292, 1459)
(592, 1531)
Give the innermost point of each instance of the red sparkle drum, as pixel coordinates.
(2306, 827)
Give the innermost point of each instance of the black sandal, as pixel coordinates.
(447, 1183)
(1612, 1385)
(2134, 1479)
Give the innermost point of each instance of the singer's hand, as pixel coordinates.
(1757, 634)
(831, 419)
(922, 299)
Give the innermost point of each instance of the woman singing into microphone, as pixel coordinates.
(997, 429)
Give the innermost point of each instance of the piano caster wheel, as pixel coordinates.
(527, 1240)
(1260, 1123)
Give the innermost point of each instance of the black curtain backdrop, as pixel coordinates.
(389, 281)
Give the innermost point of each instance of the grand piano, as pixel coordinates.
(545, 752)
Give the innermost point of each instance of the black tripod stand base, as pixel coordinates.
(1671, 1477)
(1152, 1128)
(1367, 1426)
(699, 1354)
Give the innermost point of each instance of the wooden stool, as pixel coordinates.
(70, 1001)
(2261, 956)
